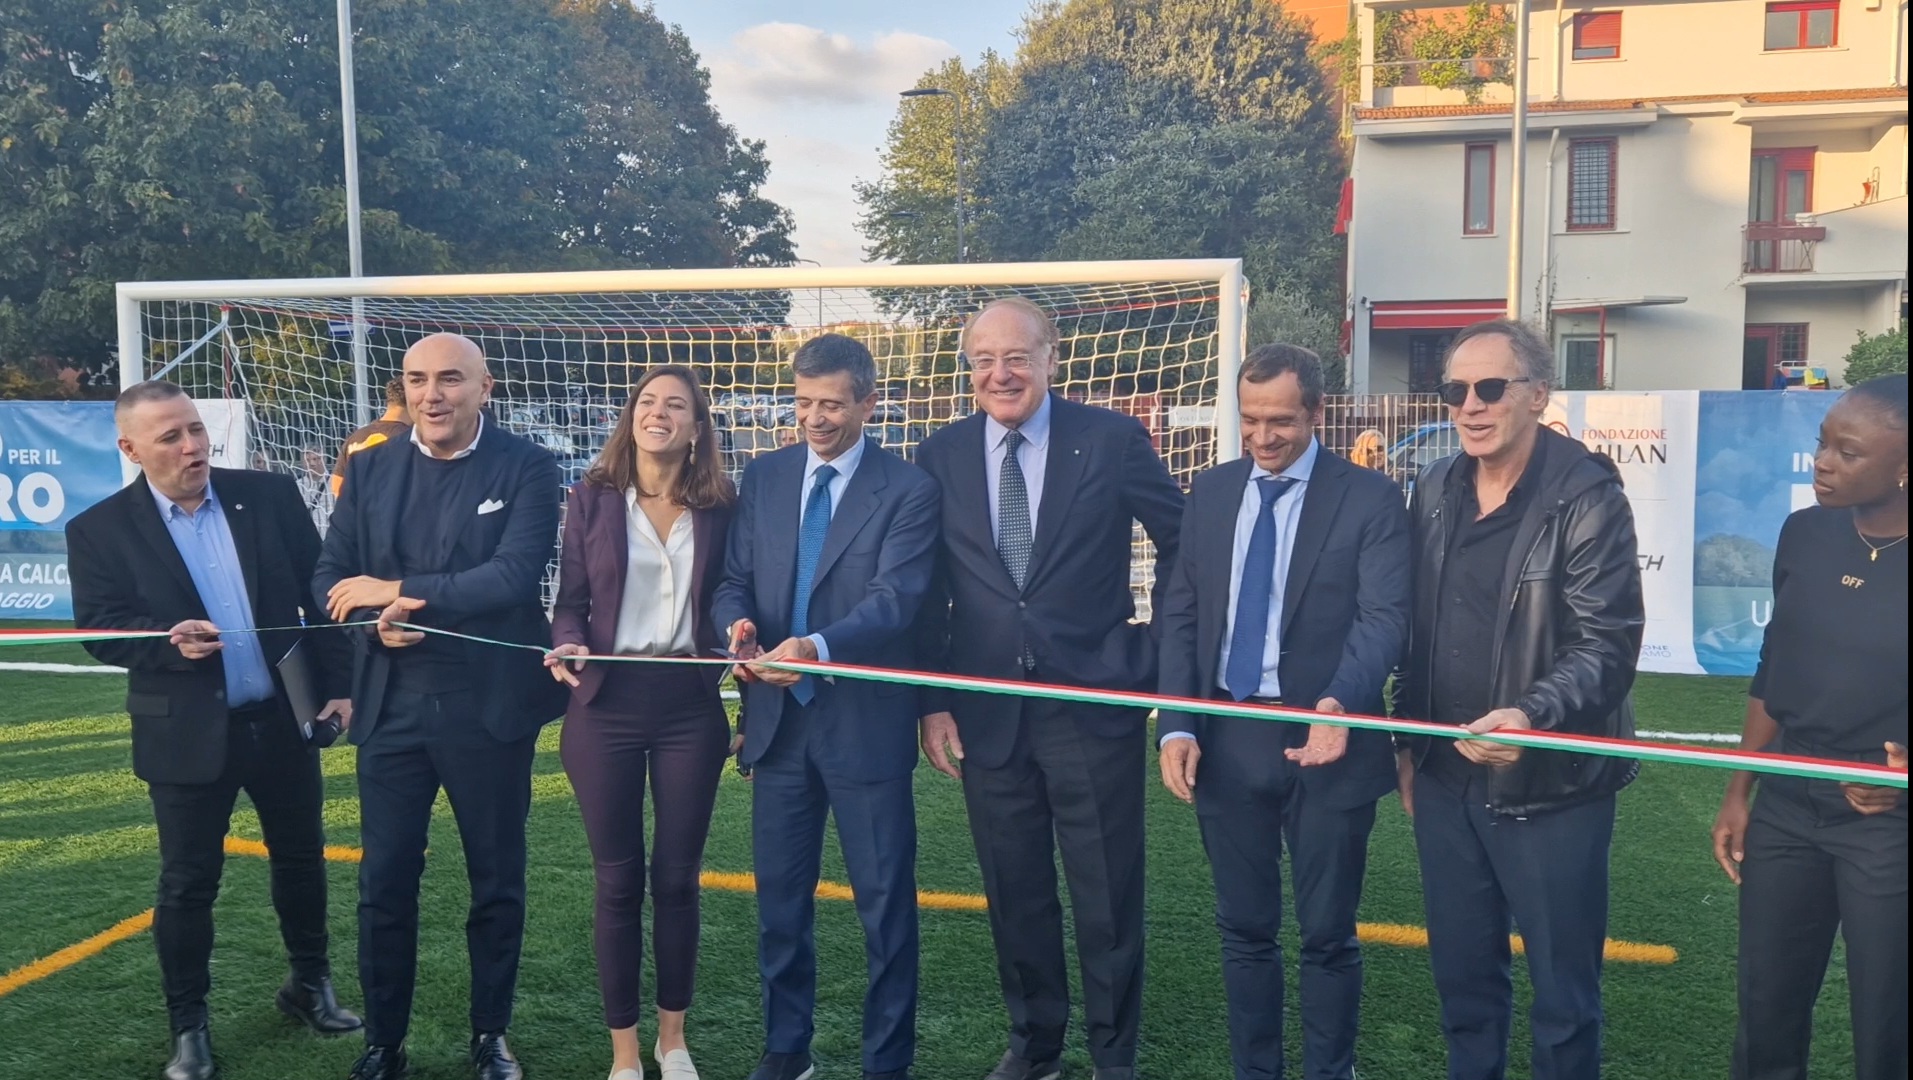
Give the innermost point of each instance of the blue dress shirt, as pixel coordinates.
(204, 540)
(1032, 457)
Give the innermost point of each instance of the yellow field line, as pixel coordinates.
(1397, 934)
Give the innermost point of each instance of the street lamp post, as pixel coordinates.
(820, 293)
(354, 244)
(956, 138)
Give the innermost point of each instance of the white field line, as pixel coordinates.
(63, 669)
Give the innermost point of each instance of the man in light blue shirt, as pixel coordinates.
(204, 539)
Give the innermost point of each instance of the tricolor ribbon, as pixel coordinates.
(1706, 756)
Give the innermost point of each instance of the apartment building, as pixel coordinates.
(1716, 192)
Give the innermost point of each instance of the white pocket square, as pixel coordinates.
(491, 506)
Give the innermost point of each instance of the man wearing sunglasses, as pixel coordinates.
(1528, 614)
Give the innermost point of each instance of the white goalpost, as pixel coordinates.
(289, 367)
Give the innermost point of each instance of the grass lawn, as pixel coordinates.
(77, 856)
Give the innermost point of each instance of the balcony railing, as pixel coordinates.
(1771, 247)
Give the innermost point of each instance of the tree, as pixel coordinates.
(1881, 354)
(200, 139)
(1132, 129)
(1286, 316)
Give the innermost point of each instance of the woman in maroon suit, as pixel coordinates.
(643, 550)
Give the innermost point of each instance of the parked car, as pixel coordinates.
(1424, 446)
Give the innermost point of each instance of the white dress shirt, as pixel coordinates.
(654, 618)
(846, 464)
(1288, 514)
(1032, 457)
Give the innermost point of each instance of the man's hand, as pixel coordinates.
(197, 639)
(792, 649)
(1871, 799)
(1178, 760)
(1327, 742)
(1494, 753)
(398, 611)
(941, 744)
(355, 593)
(744, 647)
(1405, 780)
(561, 671)
(1730, 833)
(341, 708)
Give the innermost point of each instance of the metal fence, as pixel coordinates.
(1392, 433)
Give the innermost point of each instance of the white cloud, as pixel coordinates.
(789, 63)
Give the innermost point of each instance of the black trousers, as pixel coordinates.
(1063, 788)
(1813, 867)
(1548, 875)
(424, 742)
(267, 757)
(1247, 808)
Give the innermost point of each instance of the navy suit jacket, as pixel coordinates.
(1345, 613)
(869, 582)
(1075, 608)
(489, 585)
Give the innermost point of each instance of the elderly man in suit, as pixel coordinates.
(212, 555)
(1293, 589)
(1039, 499)
(830, 553)
(451, 528)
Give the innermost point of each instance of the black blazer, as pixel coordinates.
(127, 575)
(870, 579)
(1345, 611)
(1074, 610)
(490, 584)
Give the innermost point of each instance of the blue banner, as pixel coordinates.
(1754, 467)
(56, 459)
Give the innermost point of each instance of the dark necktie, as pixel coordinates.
(1251, 634)
(1014, 538)
(810, 547)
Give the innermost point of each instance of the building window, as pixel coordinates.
(1770, 349)
(1478, 190)
(1424, 361)
(1803, 24)
(1587, 362)
(1597, 35)
(1591, 184)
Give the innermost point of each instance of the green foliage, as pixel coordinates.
(1465, 51)
(1881, 354)
(1286, 316)
(201, 139)
(1127, 129)
(1733, 561)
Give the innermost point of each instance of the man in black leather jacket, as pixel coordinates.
(1528, 614)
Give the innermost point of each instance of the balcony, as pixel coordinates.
(1771, 247)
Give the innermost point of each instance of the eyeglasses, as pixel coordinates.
(1454, 394)
(1021, 365)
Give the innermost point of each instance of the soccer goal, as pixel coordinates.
(289, 367)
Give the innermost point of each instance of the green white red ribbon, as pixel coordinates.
(1706, 756)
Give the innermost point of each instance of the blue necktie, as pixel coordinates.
(810, 548)
(1251, 633)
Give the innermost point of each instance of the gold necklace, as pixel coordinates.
(1873, 550)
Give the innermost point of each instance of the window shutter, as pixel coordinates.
(1598, 30)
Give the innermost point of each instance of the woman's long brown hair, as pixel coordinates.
(702, 484)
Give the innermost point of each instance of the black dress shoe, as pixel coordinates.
(1013, 1067)
(192, 1056)
(491, 1058)
(783, 1067)
(313, 1005)
(379, 1063)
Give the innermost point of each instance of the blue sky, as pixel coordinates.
(818, 82)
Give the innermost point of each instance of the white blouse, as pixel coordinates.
(655, 616)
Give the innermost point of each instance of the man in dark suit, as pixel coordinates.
(1039, 496)
(450, 528)
(830, 553)
(212, 555)
(1293, 588)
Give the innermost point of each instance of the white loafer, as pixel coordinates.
(675, 1065)
(628, 1074)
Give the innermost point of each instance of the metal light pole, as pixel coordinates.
(956, 138)
(820, 292)
(355, 245)
(1518, 182)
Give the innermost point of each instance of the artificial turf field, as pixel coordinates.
(77, 857)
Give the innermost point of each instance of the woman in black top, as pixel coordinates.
(1813, 856)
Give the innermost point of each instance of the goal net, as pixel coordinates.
(291, 367)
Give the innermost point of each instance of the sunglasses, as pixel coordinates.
(1454, 394)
